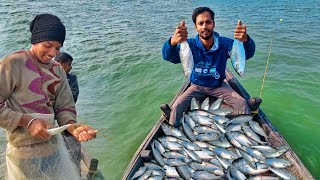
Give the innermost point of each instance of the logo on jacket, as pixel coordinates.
(215, 73)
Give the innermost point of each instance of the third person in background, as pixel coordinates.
(65, 60)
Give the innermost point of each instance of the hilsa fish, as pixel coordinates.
(57, 130)
(238, 57)
(186, 59)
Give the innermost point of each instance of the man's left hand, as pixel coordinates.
(240, 32)
(84, 133)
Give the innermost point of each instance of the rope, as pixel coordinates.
(265, 71)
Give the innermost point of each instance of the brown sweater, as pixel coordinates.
(28, 86)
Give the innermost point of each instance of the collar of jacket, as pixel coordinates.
(215, 45)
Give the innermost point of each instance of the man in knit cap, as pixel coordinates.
(34, 97)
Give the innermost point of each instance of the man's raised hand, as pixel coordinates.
(180, 35)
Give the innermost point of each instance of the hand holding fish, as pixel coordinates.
(180, 35)
(38, 128)
(84, 133)
(240, 32)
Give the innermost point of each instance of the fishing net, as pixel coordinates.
(49, 160)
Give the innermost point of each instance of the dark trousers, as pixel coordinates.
(231, 98)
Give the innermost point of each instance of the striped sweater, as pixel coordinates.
(28, 86)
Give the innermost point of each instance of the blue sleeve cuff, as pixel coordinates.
(170, 53)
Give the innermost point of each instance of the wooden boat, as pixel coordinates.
(89, 167)
(144, 154)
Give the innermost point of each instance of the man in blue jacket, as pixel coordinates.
(65, 60)
(210, 53)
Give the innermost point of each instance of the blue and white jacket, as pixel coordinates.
(209, 66)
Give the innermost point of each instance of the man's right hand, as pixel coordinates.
(38, 128)
(180, 35)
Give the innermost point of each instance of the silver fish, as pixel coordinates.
(174, 146)
(157, 156)
(249, 159)
(204, 175)
(171, 172)
(156, 177)
(189, 121)
(193, 155)
(216, 104)
(278, 153)
(278, 163)
(208, 137)
(257, 128)
(241, 138)
(221, 112)
(205, 154)
(224, 162)
(187, 130)
(224, 153)
(216, 162)
(205, 104)
(201, 144)
(233, 127)
(191, 146)
(58, 130)
(168, 138)
(234, 173)
(204, 166)
(220, 119)
(263, 178)
(159, 147)
(238, 57)
(264, 148)
(239, 119)
(231, 138)
(172, 131)
(153, 166)
(156, 172)
(283, 173)
(218, 172)
(205, 129)
(218, 143)
(254, 153)
(174, 162)
(194, 104)
(220, 127)
(140, 171)
(200, 112)
(145, 176)
(251, 134)
(184, 171)
(173, 154)
(203, 120)
(242, 165)
(186, 59)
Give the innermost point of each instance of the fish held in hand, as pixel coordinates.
(238, 57)
(57, 130)
(186, 59)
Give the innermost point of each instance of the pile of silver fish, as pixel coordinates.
(209, 145)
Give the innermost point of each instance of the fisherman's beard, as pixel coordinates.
(207, 36)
